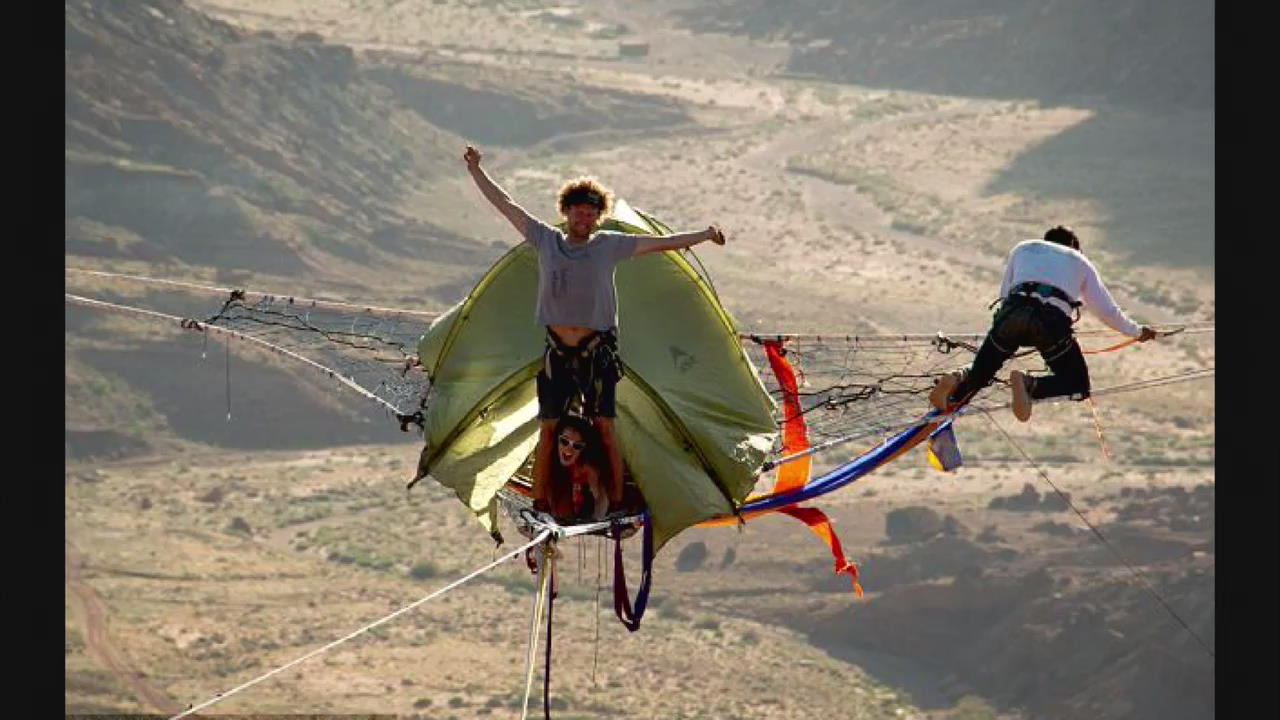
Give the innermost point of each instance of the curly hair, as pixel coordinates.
(585, 190)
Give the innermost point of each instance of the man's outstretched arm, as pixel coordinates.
(649, 244)
(517, 215)
(1098, 299)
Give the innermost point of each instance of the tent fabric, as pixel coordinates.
(694, 423)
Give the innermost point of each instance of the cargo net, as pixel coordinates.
(850, 386)
(372, 349)
(864, 385)
(368, 349)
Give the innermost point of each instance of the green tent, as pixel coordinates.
(694, 421)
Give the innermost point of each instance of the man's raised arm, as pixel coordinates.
(495, 194)
(649, 244)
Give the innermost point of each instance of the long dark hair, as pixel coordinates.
(591, 455)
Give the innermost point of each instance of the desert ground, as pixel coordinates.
(202, 552)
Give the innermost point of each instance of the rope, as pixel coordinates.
(537, 521)
(1192, 328)
(844, 337)
(250, 295)
(257, 296)
(539, 600)
(595, 655)
(1156, 382)
(1130, 387)
(228, 366)
(1117, 346)
(224, 695)
(854, 405)
(1142, 578)
(104, 305)
(189, 324)
(337, 338)
(863, 385)
(1131, 341)
(1097, 426)
(550, 570)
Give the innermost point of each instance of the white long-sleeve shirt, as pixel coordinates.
(1069, 271)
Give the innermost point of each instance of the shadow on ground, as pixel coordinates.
(1153, 176)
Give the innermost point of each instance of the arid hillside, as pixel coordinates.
(1132, 52)
(229, 509)
(194, 143)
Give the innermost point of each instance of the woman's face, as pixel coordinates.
(570, 446)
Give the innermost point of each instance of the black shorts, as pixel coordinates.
(587, 373)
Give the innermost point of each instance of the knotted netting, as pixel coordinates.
(850, 387)
(370, 350)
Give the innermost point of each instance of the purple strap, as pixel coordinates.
(629, 616)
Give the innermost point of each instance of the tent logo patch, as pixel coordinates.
(682, 360)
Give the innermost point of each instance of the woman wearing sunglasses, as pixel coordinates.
(577, 489)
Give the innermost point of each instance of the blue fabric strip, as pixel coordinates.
(850, 471)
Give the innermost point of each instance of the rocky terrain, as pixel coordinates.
(1130, 52)
(211, 568)
(226, 513)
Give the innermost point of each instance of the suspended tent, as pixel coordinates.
(695, 424)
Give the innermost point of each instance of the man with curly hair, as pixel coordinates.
(578, 304)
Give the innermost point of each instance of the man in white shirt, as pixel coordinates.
(1045, 283)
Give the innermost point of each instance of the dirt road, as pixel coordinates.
(92, 611)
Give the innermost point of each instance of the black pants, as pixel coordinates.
(1027, 322)
(590, 371)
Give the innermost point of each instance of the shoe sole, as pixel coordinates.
(942, 390)
(1021, 396)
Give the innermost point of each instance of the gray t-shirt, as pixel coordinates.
(575, 282)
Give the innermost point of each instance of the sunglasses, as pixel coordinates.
(566, 442)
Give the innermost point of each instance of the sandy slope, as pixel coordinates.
(848, 208)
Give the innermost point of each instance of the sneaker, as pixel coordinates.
(1021, 395)
(942, 390)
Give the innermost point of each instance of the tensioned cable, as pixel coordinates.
(886, 424)
(224, 695)
(1097, 533)
(838, 387)
(1129, 387)
(539, 521)
(334, 337)
(213, 289)
(187, 323)
(540, 596)
(550, 570)
(1189, 327)
(1194, 327)
(595, 654)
